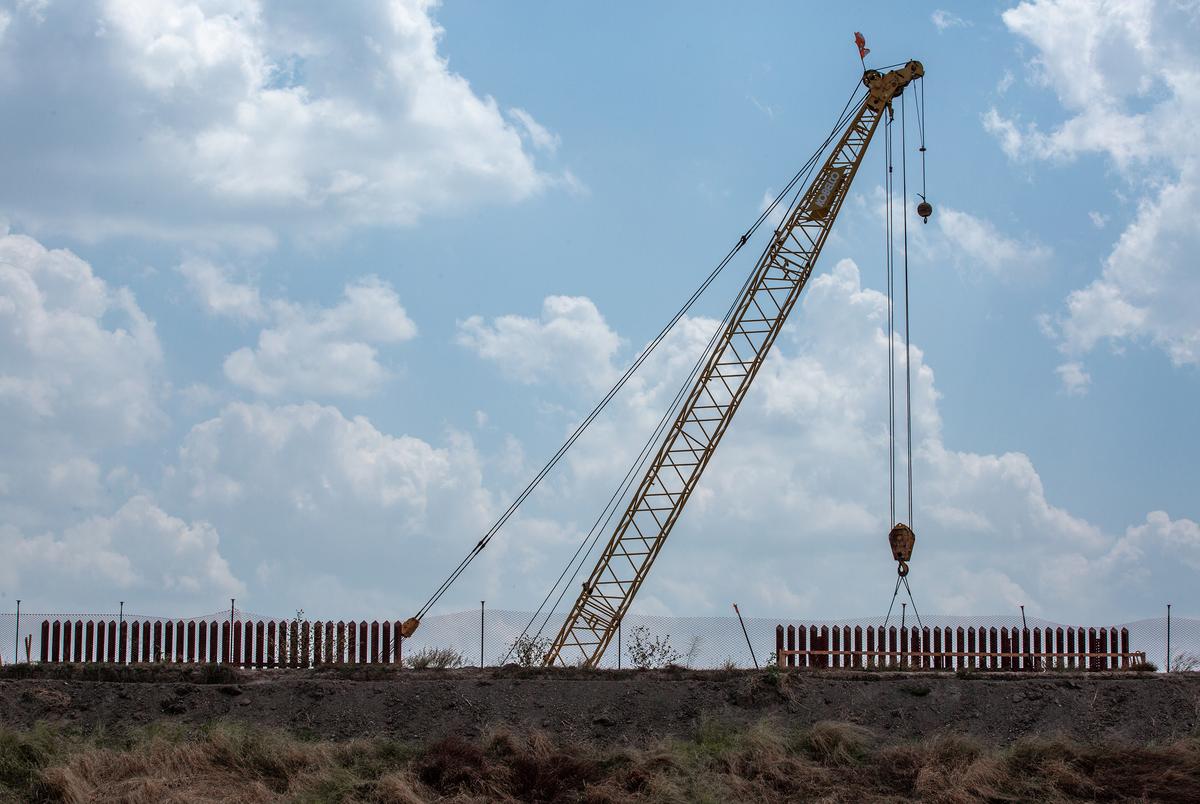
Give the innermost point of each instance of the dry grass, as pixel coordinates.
(833, 762)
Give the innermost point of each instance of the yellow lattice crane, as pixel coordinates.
(721, 386)
(729, 368)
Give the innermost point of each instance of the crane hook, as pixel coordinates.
(902, 540)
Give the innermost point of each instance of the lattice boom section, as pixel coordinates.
(707, 412)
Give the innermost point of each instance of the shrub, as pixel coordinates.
(651, 653)
(529, 651)
(435, 658)
(1185, 663)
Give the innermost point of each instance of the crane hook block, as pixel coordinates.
(902, 540)
(409, 627)
(925, 209)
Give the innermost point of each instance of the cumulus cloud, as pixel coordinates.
(1075, 379)
(801, 483)
(570, 342)
(311, 499)
(1125, 74)
(324, 352)
(977, 245)
(233, 120)
(943, 19)
(80, 371)
(219, 294)
(157, 563)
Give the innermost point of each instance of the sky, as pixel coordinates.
(296, 297)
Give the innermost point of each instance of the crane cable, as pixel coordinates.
(579, 559)
(624, 378)
(889, 229)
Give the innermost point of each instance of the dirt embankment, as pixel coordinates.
(625, 707)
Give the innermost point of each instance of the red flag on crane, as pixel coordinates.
(861, 41)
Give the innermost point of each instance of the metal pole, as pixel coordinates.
(619, 625)
(229, 647)
(1168, 637)
(753, 658)
(17, 636)
(481, 604)
(121, 630)
(1024, 627)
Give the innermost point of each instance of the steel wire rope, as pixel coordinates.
(889, 259)
(610, 509)
(907, 316)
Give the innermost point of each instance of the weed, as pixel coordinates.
(1185, 663)
(648, 653)
(435, 658)
(529, 651)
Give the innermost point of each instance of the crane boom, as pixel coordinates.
(721, 386)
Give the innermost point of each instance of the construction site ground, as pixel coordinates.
(620, 707)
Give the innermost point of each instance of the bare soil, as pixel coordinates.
(604, 707)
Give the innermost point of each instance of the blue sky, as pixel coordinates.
(293, 301)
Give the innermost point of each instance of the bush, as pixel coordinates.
(651, 653)
(1185, 663)
(435, 658)
(529, 651)
(1144, 667)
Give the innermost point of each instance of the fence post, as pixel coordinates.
(229, 645)
(620, 623)
(1168, 637)
(481, 606)
(746, 635)
(17, 635)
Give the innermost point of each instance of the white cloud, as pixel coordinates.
(801, 479)
(539, 136)
(942, 20)
(1075, 380)
(140, 554)
(570, 343)
(79, 372)
(219, 294)
(1098, 219)
(1125, 73)
(233, 119)
(975, 244)
(324, 352)
(317, 496)
(1149, 288)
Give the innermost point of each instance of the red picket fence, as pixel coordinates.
(248, 643)
(979, 648)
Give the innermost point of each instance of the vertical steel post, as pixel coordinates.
(481, 604)
(120, 630)
(229, 646)
(619, 624)
(753, 658)
(17, 635)
(1168, 637)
